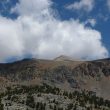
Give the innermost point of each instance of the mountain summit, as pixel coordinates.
(64, 58)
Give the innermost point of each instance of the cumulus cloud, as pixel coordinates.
(38, 32)
(86, 5)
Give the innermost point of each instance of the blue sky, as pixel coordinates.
(91, 14)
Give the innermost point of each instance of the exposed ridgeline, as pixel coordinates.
(65, 74)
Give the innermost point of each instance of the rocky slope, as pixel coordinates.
(67, 75)
(59, 84)
(45, 97)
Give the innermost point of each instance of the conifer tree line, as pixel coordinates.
(82, 98)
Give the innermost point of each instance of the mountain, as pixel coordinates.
(63, 58)
(62, 72)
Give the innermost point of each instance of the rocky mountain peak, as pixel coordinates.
(63, 58)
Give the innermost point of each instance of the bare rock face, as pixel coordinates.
(62, 72)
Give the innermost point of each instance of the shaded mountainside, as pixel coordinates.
(67, 75)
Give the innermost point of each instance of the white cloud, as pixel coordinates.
(92, 22)
(33, 7)
(86, 5)
(37, 32)
(108, 4)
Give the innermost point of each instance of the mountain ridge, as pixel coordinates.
(89, 75)
(50, 83)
